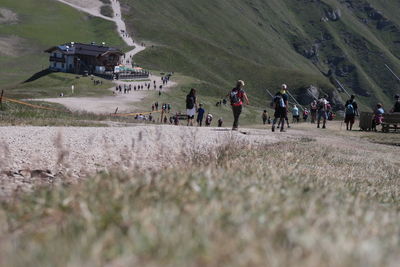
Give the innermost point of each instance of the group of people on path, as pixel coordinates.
(192, 107)
(165, 107)
(320, 110)
(127, 88)
(379, 112)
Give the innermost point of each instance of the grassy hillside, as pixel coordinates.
(275, 41)
(40, 25)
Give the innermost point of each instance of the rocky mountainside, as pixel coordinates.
(304, 43)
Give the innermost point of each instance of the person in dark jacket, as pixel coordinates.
(191, 106)
(396, 107)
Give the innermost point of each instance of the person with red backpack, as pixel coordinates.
(237, 95)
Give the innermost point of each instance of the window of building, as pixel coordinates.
(54, 64)
(62, 65)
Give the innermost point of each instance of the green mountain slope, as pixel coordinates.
(268, 42)
(38, 25)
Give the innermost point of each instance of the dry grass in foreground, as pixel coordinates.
(292, 204)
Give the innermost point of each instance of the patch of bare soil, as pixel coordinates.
(11, 46)
(7, 16)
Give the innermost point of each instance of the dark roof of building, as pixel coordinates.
(84, 49)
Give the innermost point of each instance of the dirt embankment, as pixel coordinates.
(31, 155)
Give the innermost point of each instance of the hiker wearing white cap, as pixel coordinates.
(280, 104)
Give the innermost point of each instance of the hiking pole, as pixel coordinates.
(397, 77)
(341, 86)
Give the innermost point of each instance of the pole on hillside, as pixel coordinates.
(394, 74)
(269, 93)
(162, 116)
(341, 86)
(1, 99)
(116, 110)
(295, 100)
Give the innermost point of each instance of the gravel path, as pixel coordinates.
(31, 155)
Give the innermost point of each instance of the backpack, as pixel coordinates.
(189, 101)
(350, 109)
(235, 96)
(278, 100)
(321, 104)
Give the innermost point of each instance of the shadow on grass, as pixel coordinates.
(38, 75)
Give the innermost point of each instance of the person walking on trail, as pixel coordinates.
(209, 119)
(191, 106)
(322, 107)
(305, 114)
(280, 104)
(220, 122)
(351, 111)
(237, 95)
(396, 107)
(313, 110)
(200, 115)
(378, 116)
(296, 114)
(264, 116)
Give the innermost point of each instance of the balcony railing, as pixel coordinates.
(57, 59)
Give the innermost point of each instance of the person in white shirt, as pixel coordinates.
(295, 114)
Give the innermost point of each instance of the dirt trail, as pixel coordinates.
(124, 102)
(80, 151)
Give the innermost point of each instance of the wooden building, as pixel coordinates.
(84, 58)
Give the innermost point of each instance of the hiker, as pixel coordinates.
(150, 117)
(209, 119)
(220, 122)
(169, 107)
(176, 119)
(295, 114)
(378, 116)
(236, 96)
(280, 103)
(322, 111)
(351, 111)
(264, 116)
(396, 107)
(200, 115)
(305, 114)
(191, 106)
(313, 108)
